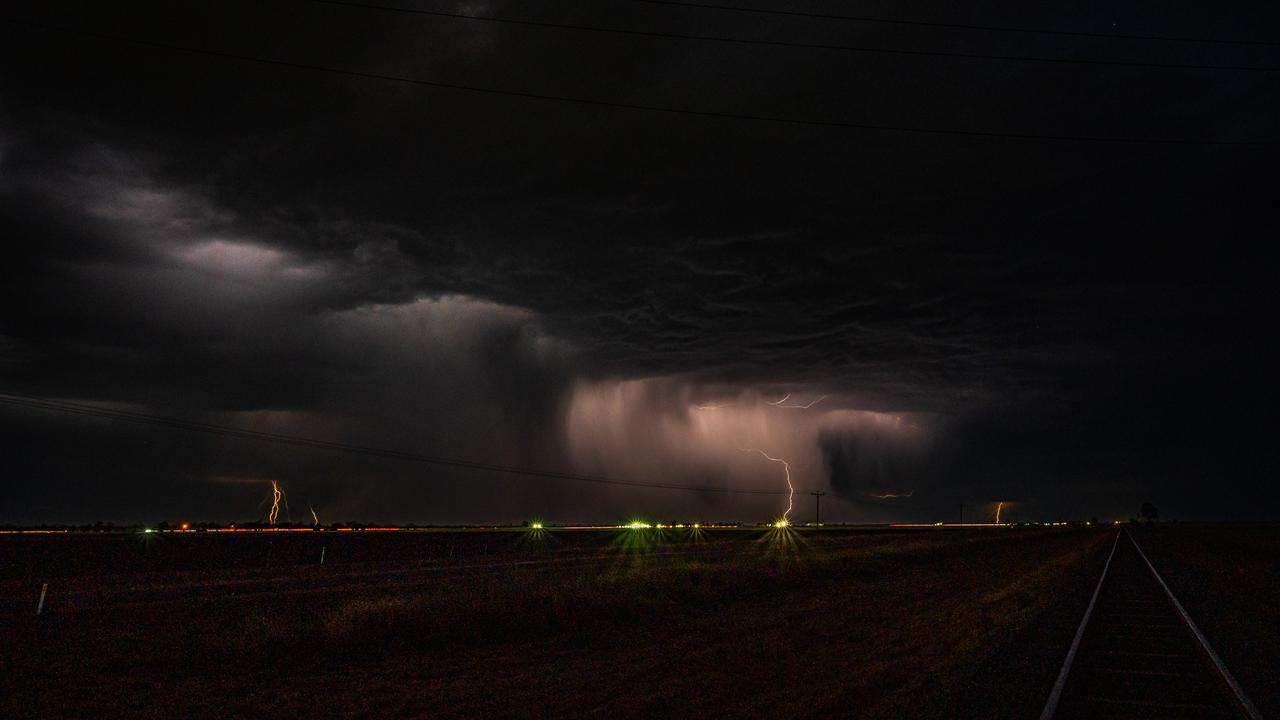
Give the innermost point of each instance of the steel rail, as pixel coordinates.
(1238, 692)
(1051, 706)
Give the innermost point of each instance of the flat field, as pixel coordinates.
(564, 623)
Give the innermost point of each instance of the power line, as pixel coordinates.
(791, 44)
(958, 26)
(82, 410)
(296, 441)
(477, 89)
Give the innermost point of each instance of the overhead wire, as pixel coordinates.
(956, 26)
(645, 107)
(137, 418)
(80, 409)
(788, 43)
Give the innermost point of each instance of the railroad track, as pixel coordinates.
(1137, 654)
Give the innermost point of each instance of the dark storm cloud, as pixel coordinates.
(444, 269)
(861, 465)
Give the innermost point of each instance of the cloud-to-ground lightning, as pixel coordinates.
(315, 520)
(277, 495)
(791, 490)
(999, 507)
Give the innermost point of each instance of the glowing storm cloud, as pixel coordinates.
(691, 433)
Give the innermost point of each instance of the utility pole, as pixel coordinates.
(961, 513)
(817, 501)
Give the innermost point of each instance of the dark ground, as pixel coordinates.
(949, 623)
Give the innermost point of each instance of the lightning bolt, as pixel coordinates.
(999, 507)
(791, 490)
(314, 520)
(891, 495)
(276, 496)
(783, 402)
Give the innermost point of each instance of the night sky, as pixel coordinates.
(1055, 311)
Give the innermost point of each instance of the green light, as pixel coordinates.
(637, 525)
(148, 531)
(536, 526)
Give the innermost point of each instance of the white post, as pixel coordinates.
(322, 554)
(40, 605)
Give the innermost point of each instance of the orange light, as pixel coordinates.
(276, 495)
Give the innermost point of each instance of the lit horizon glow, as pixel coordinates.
(694, 432)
